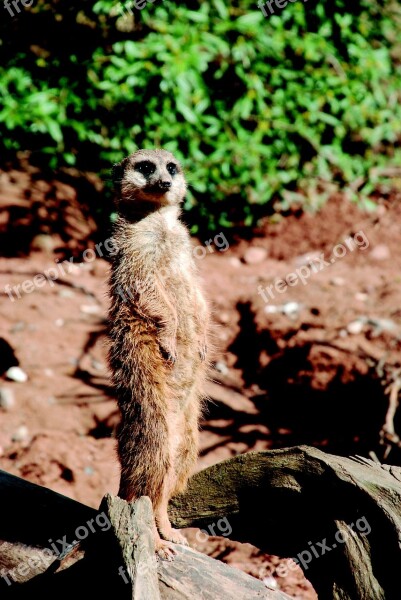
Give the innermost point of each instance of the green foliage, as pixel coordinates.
(258, 109)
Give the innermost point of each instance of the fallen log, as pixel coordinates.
(114, 554)
(339, 518)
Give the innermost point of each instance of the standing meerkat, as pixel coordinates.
(158, 332)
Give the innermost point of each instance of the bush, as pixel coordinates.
(258, 109)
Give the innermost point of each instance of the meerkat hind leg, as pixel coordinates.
(166, 531)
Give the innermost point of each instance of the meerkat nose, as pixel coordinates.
(165, 185)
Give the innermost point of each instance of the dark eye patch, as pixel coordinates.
(172, 168)
(145, 167)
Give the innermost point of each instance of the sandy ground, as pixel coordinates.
(293, 363)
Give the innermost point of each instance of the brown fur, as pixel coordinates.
(158, 331)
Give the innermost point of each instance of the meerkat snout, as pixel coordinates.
(150, 176)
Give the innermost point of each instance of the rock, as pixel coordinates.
(21, 435)
(291, 308)
(221, 368)
(306, 259)
(16, 374)
(90, 309)
(43, 242)
(271, 583)
(224, 317)
(270, 309)
(234, 261)
(98, 365)
(59, 322)
(7, 399)
(66, 293)
(361, 296)
(338, 281)
(356, 326)
(254, 255)
(380, 252)
(19, 326)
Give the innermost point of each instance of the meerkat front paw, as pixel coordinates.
(168, 350)
(202, 350)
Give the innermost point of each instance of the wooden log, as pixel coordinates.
(339, 517)
(133, 525)
(117, 560)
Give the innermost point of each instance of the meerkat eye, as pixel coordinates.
(145, 167)
(172, 168)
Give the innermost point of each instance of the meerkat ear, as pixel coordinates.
(117, 172)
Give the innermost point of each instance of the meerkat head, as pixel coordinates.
(149, 179)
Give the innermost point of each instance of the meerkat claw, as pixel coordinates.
(203, 353)
(165, 550)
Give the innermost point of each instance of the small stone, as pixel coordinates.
(254, 255)
(21, 435)
(380, 252)
(355, 327)
(89, 470)
(48, 372)
(271, 309)
(16, 374)
(98, 365)
(270, 582)
(306, 259)
(19, 326)
(90, 309)
(43, 242)
(7, 400)
(234, 261)
(361, 297)
(337, 281)
(59, 322)
(221, 367)
(224, 318)
(291, 308)
(66, 294)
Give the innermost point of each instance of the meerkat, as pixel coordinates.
(159, 322)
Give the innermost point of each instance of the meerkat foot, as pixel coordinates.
(173, 535)
(165, 550)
